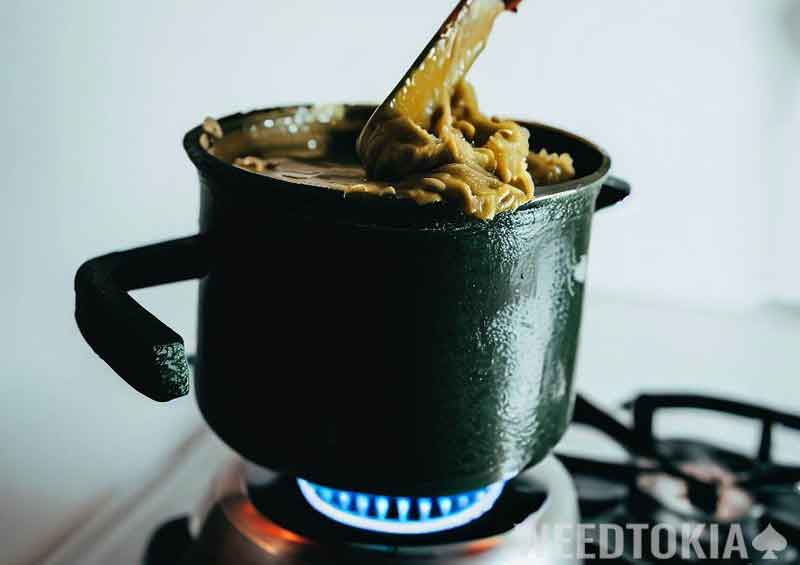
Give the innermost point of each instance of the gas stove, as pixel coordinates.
(672, 499)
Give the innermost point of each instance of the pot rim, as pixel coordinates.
(443, 211)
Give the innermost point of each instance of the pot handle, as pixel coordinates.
(614, 190)
(141, 349)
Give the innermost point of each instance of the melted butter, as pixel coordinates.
(349, 177)
(430, 139)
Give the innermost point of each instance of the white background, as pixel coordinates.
(698, 102)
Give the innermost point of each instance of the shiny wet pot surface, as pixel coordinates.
(365, 343)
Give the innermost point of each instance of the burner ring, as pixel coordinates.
(397, 514)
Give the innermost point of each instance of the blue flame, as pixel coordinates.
(400, 514)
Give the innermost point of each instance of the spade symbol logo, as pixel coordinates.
(770, 541)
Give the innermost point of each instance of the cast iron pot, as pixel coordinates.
(365, 343)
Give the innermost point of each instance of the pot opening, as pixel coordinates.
(315, 146)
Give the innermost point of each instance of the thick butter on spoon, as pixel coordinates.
(430, 140)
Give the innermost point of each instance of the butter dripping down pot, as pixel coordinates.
(362, 342)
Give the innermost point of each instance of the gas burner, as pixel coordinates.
(687, 483)
(254, 516)
(399, 514)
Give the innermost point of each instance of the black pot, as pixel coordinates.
(364, 343)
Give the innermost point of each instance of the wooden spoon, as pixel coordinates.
(443, 63)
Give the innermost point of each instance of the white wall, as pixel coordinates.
(698, 104)
(696, 101)
(782, 125)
